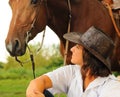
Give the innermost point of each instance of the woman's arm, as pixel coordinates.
(38, 85)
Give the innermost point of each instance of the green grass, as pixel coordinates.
(13, 88)
(13, 82)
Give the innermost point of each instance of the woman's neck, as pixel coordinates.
(87, 80)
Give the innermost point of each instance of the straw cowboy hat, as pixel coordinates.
(96, 42)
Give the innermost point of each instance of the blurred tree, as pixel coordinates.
(1, 64)
(47, 56)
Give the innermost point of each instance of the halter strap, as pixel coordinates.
(68, 30)
(27, 39)
(112, 18)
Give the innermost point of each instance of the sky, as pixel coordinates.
(5, 17)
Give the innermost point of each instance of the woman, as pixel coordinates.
(90, 77)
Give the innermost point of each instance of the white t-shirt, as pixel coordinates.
(68, 79)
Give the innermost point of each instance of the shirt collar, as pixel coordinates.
(99, 81)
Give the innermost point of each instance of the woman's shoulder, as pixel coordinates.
(114, 81)
(111, 87)
(72, 67)
(67, 70)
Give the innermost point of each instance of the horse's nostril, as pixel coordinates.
(13, 47)
(16, 44)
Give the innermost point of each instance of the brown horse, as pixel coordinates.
(31, 16)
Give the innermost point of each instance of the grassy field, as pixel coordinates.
(13, 82)
(15, 87)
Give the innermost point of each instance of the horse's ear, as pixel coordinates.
(34, 1)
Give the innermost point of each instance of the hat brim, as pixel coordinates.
(75, 37)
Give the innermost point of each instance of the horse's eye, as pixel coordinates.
(34, 1)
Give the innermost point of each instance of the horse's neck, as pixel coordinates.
(58, 17)
(58, 4)
(81, 11)
(59, 25)
(85, 7)
(87, 13)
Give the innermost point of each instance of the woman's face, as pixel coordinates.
(77, 54)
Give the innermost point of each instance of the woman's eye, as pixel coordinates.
(77, 46)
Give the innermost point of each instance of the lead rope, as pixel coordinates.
(113, 20)
(31, 54)
(67, 42)
(32, 61)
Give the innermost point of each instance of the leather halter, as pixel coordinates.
(37, 3)
(27, 39)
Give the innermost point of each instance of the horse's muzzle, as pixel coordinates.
(15, 47)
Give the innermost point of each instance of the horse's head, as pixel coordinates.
(23, 26)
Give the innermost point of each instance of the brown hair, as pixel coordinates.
(96, 67)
